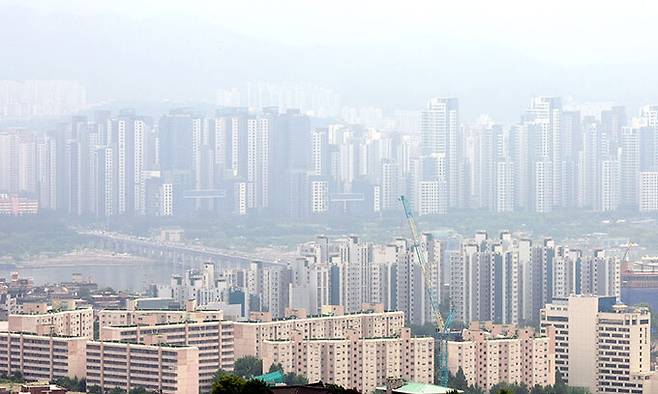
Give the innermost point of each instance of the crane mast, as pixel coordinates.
(442, 326)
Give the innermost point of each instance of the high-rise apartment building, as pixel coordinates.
(648, 196)
(441, 135)
(163, 369)
(601, 345)
(352, 361)
(490, 354)
(213, 340)
(42, 357)
(334, 323)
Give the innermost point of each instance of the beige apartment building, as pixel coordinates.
(353, 361)
(159, 368)
(601, 345)
(40, 321)
(42, 357)
(492, 353)
(124, 317)
(372, 323)
(214, 339)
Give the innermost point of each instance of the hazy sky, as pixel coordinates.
(494, 55)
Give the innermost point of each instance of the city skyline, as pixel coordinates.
(345, 197)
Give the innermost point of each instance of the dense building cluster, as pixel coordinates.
(180, 351)
(289, 163)
(505, 280)
(601, 345)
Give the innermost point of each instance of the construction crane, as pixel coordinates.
(625, 264)
(442, 326)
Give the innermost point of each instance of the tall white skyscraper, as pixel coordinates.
(441, 134)
(648, 200)
(629, 167)
(504, 186)
(548, 111)
(610, 185)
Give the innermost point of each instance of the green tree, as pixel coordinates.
(255, 386)
(227, 384)
(537, 389)
(473, 389)
(72, 384)
(248, 367)
(294, 379)
(17, 377)
(275, 367)
(520, 389)
(117, 390)
(94, 390)
(459, 382)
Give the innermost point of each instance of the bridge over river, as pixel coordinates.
(179, 252)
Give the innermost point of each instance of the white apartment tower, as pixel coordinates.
(319, 196)
(504, 187)
(610, 185)
(441, 134)
(629, 167)
(548, 112)
(648, 199)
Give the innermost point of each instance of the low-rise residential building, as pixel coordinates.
(39, 357)
(70, 323)
(374, 323)
(491, 353)
(158, 368)
(214, 339)
(352, 361)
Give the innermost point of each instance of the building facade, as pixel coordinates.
(489, 354)
(41, 358)
(601, 345)
(158, 368)
(352, 361)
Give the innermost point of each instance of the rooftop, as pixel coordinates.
(419, 388)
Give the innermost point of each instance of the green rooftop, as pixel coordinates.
(419, 388)
(272, 377)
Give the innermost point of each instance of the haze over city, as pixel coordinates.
(328, 197)
(493, 55)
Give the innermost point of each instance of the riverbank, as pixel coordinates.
(81, 259)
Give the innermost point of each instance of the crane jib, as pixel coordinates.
(442, 326)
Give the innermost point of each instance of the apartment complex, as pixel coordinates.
(508, 279)
(601, 345)
(213, 339)
(249, 336)
(491, 353)
(158, 368)
(39, 357)
(68, 323)
(180, 351)
(353, 361)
